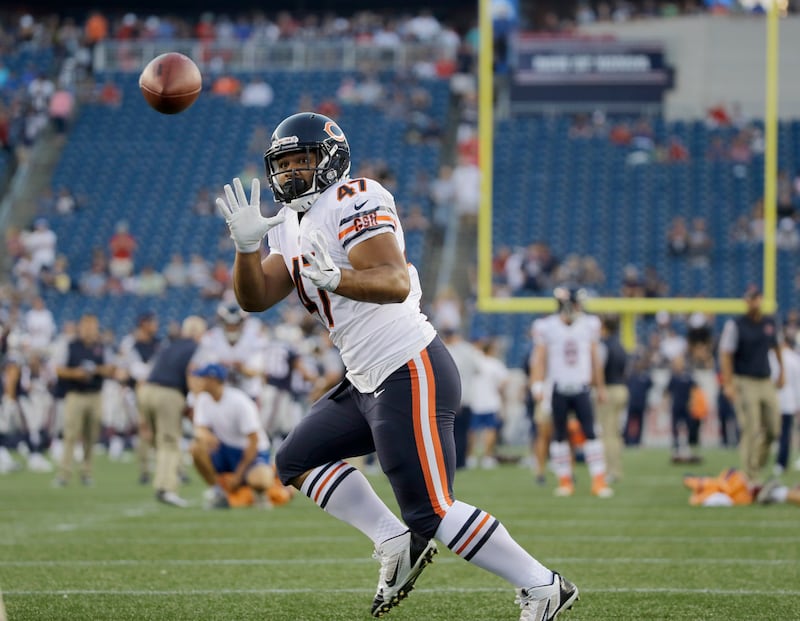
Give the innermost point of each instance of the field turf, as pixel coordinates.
(110, 552)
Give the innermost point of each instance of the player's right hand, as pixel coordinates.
(248, 227)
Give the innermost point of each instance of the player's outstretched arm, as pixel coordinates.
(379, 274)
(258, 285)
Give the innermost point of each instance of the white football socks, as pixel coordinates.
(344, 492)
(480, 538)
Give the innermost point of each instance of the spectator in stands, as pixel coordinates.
(61, 108)
(442, 193)
(40, 243)
(66, 202)
(446, 310)
(643, 136)
(219, 281)
(347, 92)
(787, 237)
(94, 281)
(677, 150)
(415, 219)
(58, 277)
(227, 86)
(150, 282)
(110, 94)
(756, 224)
(175, 272)
(203, 204)
(249, 172)
(739, 232)
(466, 198)
(122, 246)
(717, 151)
(740, 152)
(40, 90)
(199, 272)
(701, 244)
(654, 285)
(785, 192)
(718, 116)
(95, 30)
(678, 237)
(632, 282)
(257, 93)
(592, 278)
(14, 245)
(580, 128)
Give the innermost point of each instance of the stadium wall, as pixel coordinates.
(718, 60)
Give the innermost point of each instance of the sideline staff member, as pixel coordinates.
(81, 377)
(744, 367)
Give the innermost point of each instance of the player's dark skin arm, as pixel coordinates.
(258, 284)
(379, 274)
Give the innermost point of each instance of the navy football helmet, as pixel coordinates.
(312, 133)
(570, 301)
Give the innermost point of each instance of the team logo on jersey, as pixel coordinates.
(366, 221)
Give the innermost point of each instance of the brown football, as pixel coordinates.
(170, 83)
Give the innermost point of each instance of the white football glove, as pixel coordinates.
(244, 218)
(321, 270)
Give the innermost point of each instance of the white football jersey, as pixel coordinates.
(373, 339)
(569, 347)
(216, 348)
(231, 419)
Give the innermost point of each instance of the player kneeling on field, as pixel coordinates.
(230, 449)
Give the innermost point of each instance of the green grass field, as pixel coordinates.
(111, 552)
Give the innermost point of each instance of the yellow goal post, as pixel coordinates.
(627, 308)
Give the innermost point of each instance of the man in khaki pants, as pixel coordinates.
(162, 402)
(610, 413)
(81, 375)
(745, 372)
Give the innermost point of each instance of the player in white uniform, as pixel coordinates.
(566, 354)
(234, 342)
(339, 242)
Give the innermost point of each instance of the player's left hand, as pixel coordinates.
(321, 270)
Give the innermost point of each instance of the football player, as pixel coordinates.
(234, 342)
(566, 353)
(339, 243)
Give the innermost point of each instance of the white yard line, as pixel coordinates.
(356, 561)
(436, 591)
